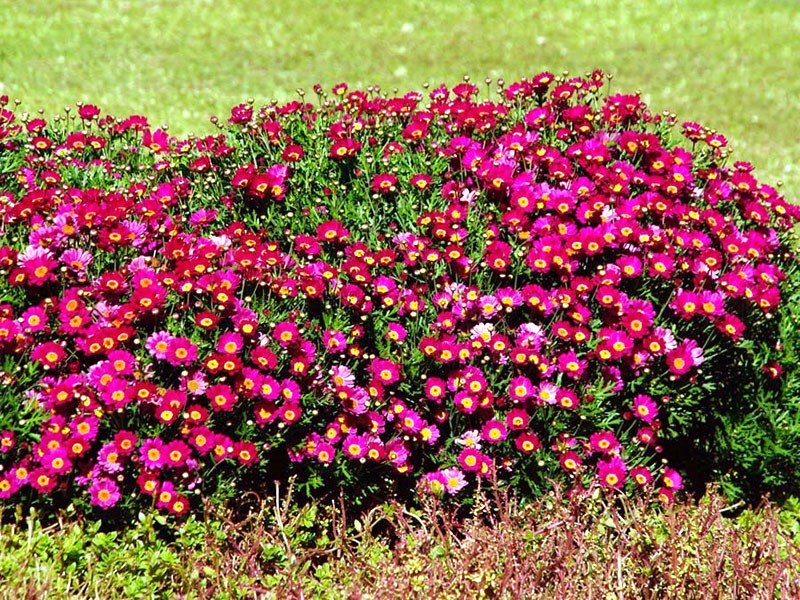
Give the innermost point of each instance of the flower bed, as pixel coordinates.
(380, 293)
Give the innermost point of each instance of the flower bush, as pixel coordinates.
(381, 293)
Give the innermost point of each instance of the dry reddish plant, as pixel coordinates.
(595, 546)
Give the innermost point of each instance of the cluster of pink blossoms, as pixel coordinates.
(443, 288)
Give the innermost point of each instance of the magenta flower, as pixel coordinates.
(109, 458)
(325, 453)
(612, 472)
(48, 354)
(435, 389)
(355, 446)
(684, 357)
(517, 419)
(672, 479)
(56, 461)
(644, 408)
(104, 493)
(494, 431)
(395, 332)
(229, 343)
(604, 441)
(453, 480)
(527, 442)
(385, 371)
(152, 453)
(181, 351)
(641, 475)
(384, 183)
(520, 388)
(76, 260)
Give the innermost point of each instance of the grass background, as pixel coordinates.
(732, 65)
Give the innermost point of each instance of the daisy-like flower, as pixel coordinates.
(355, 446)
(334, 341)
(410, 421)
(76, 260)
(56, 461)
(285, 333)
(520, 388)
(157, 344)
(229, 343)
(641, 475)
(152, 453)
(546, 393)
(489, 306)
(527, 442)
(644, 408)
(494, 431)
(517, 419)
(604, 441)
(325, 453)
(571, 365)
(180, 352)
(109, 458)
(385, 371)
(685, 356)
(435, 389)
(104, 493)
(395, 332)
(453, 480)
(221, 397)
(672, 479)
(470, 459)
(49, 354)
(612, 472)
(194, 384)
(38, 265)
(34, 319)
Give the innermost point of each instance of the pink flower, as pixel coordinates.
(104, 493)
(385, 371)
(685, 356)
(395, 332)
(334, 341)
(229, 343)
(181, 351)
(354, 446)
(410, 421)
(152, 453)
(470, 459)
(48, 354)
(435, 389)
(385, 183)
(641, 475)
(672, 479)
(285, 333)
(604, 441)
(571, 365)
(527, 442)
(221, 397)
(612, 472)
(520, 388)
(494, 431)
(453, 480)
(517, 419)
(644, 408)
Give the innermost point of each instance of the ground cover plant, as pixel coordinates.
(586, 547)
(376, 293)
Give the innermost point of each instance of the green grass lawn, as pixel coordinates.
(731, 65)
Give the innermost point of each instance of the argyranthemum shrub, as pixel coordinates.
(388, 293)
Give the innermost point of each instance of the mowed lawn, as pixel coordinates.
(732, 65)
